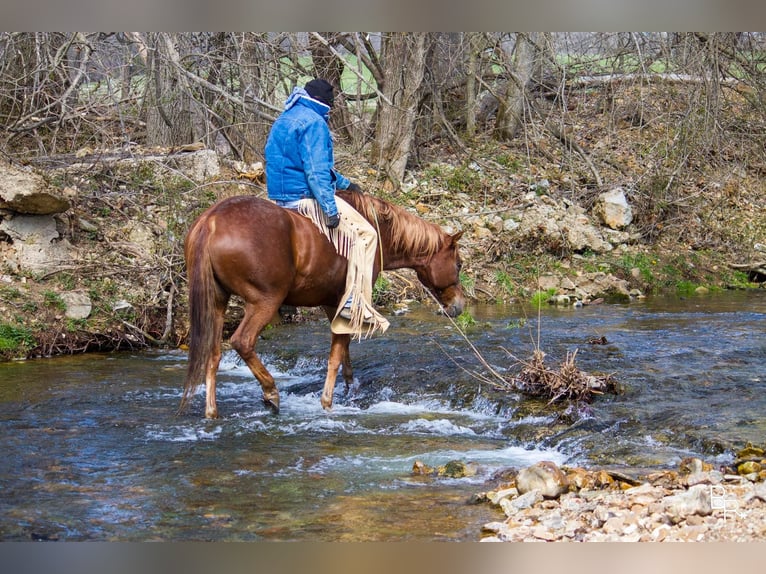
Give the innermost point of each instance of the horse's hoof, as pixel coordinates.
(273, 406)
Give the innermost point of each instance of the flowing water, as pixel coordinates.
(92, 449)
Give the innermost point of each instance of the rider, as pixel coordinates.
(300, 175)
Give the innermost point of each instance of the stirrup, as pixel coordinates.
(346, 313)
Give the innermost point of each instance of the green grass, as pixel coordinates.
(504, 280)
(465, 320)
(541, 297)
(467, 283)
(685, 288)
(53, 299)
(640, 261)
(15, 339)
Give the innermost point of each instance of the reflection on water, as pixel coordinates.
(92, 448)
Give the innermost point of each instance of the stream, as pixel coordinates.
(93, 448)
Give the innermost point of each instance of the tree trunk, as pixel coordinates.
(404, 57)
(329, 67)
(510, 113)
(475, 41)
(172, 116)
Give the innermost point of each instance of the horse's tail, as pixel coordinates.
(202, 293)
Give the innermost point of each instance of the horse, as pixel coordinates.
(270, 256)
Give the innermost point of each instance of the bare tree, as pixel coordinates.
(519, 66)
(404, 64)
(172, 114)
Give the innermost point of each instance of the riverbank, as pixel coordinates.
(695, 503)
(105, 271)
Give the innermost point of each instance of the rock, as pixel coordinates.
(35, 243)
(751, 451)
(78, 304)
(599, 284)
(27, 192)
(547, 281)
(496, 496)
(693, 465)
(613, 210)
(544, 476)
(196, 165)
(547, 221)
(419, 468)
(748, 467)
(510, 225)
(696, 500)
(457, 469)
(515, 505)
(644, 494)
(707, 477)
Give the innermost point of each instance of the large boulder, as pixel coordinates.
(613, 210)
(28, 193)
(33, 243)
(544, 477)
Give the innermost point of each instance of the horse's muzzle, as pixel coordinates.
(455, 307)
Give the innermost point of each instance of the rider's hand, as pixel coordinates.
(354, 187)
(333, 221)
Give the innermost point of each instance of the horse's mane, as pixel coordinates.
(409, 232)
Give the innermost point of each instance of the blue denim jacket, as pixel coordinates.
(299, 154)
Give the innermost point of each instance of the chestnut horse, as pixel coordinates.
(271, 256)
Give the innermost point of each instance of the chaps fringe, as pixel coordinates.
(358, 282)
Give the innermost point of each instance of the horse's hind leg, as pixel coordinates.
(214, 359)
(243, 340)
(211, 368)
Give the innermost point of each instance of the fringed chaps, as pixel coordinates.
(356, 240)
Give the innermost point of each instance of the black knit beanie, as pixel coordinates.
(321, 90)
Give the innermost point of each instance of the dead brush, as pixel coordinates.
(536, 379)
(567, 383)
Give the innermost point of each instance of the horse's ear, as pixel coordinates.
(457, 236)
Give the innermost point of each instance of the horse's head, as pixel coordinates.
(441, 275)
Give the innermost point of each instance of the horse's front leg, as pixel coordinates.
(338, 355)
(348, 371)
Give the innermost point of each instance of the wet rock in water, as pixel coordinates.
(457, 469)
(750, 451)
(544, 476)
(419, 468)
(453, 469)
(693, 465)
(749, 467)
